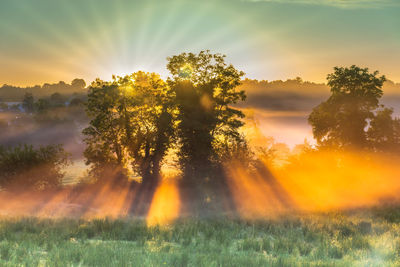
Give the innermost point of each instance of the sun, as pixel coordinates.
(186, 71)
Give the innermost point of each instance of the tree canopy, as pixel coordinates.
(342, 120)
(131, 123)
(206, 88)
(138, 118)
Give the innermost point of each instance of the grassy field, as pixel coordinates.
(353, 238)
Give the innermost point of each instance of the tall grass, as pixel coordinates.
(361, 238)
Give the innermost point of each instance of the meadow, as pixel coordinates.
(358, 237)
(199, 133)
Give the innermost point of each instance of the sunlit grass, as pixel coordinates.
(364, 237)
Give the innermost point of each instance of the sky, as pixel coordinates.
(52, 40)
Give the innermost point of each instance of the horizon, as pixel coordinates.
(88, 82)
(282, 111)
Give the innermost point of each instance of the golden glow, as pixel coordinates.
(108, 199)
(165, 205)
(332, 180)
(309, 182)
(317, 181)
(206, 102)
(254, 195)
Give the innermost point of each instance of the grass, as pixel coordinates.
(357, 238)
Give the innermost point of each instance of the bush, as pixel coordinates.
(23, 167)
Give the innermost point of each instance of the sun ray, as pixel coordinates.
(165, 205)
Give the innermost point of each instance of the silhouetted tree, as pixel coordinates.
(341, 121)
(384, 131)
(103, 137)
(78, 83)
(131, 123)
(147, 107)
(28, 103)
(42, 105)
(205, 88)
(57, 100)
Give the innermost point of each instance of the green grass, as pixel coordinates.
(357, 238)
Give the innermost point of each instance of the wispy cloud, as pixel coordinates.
(339, 3)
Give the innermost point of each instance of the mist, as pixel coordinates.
(290, 179)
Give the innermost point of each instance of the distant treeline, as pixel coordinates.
(10, 93)
(292, 94)
(298, 95)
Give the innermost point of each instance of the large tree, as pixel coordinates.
(147, 109)
(341, 121)
(206, 88)
(103, 137)
(131, 124)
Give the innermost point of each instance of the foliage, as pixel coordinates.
(9, 93)
(206, 89)
(384, 131)
(342, 120)
(42, 105)
(26, 167)
(103, 136)
(131, 123)
(57, 100)
(78, 83)
(28, 103)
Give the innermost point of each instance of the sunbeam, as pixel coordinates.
(165, 205)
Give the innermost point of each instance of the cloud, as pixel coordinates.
(339, 3)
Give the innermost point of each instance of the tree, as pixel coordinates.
(341, 121)
(205, 88)
(103, 137)
(147, 108)
(28, 102)
(384, 131)
(57, 100)
(24, 167)
(78, 83)
(42, 105)
(131, 123)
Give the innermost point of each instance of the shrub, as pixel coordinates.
(24, 167)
